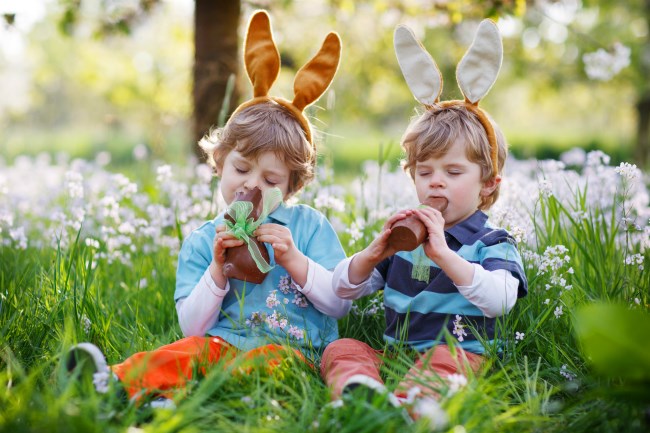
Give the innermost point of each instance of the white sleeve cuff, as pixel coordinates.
(210, 284)
(199, 311)
(318, 290)
(346, 290)
(493, 292)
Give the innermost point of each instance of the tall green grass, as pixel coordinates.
(51, 298)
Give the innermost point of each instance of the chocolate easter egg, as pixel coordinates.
(406, 234)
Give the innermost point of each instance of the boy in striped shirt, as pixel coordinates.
(475, 273)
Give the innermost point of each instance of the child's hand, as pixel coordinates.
(285, 251)
(280, 239)
(432, 219)
(379, 248)
(363, 263)
(222, 241)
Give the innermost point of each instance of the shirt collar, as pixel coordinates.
(281, 214)
(464, 230)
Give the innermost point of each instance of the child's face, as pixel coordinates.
(240, 174)
(455, 178)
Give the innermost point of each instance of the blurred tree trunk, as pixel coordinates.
(215, 59)
(642, 149)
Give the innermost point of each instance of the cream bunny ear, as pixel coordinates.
(478, 69)
(315, 77)
(261, 56)
(419, 69)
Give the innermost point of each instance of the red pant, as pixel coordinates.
(346, 357)
(171, 366)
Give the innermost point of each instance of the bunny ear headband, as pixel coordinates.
(476, 73)
(262, 61)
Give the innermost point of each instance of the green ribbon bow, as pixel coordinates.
(243, 227)
(421, 270)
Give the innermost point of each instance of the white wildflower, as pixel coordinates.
(456, 382)
(140, 152)
(459, 330)
(86, 323)
(604, 65)
(519, 335)
(635, 259)
(627, 171)
(545, 188)
(558, 312)
(566, 373)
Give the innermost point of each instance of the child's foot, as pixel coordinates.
(369, 387)
(88, 361)
(373, 391)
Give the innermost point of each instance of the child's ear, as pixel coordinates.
(218, 169)
(490, 185)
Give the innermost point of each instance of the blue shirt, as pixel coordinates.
(419, 312)
(273, 311)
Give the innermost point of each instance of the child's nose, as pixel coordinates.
(251, 183)
(437, 180)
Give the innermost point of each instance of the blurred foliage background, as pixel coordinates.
(88, 77)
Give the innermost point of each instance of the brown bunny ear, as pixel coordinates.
(315, 77)
(261, 56)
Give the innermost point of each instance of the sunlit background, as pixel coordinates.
(570, 76)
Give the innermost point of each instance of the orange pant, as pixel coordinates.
(346, 357)
(171, 366)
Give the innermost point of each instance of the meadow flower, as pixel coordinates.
(19, 237)
(558, 312)
(576, 156)
(635, 259)
(627, 171)
(296, 332)
(248, 401)
(140, 152)
(459, 330)
(92, 243)
(272, 299)
(545, 188)
(603, 64)
(519, 335)
(86, 323)
(285, 284)
(325, 200)
(355, 230)
(300, 300)
(163, 173)
(456, 382)
(564, 371)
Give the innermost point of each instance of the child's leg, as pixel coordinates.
(345, 358)
(438, 361)
(171, 366)
(269, 357)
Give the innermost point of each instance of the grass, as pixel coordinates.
(51, 298)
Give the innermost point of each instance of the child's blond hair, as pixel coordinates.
(264, 127)
(433, 133)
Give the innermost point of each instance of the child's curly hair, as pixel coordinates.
(264, 127)
(437, 129)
